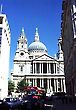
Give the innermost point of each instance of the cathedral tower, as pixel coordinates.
(22, 50)
(60, 52)
(21, 60)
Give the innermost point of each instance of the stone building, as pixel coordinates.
(68, 33)
(38, 68)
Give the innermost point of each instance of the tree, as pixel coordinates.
(11, 86)
(22, 85)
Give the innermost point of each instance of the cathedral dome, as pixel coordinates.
(37, 45)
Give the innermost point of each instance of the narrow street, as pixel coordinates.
(48, 105)
(58, 105)
(66, 106)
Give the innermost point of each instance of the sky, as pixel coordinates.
(43, 14)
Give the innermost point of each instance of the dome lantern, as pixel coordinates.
(37, 46)
(36, 35)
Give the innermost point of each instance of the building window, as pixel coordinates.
(21, 53)
(21, 68)
(0, 31)
(31, 57)
(1, 20)
(22, 46)
(32, 67)
(4, 31)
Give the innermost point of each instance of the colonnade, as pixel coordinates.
(52, 84)
(50, 67)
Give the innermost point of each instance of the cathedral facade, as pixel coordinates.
(35, 65)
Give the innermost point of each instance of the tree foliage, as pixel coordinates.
(21, 85)
(11, 86)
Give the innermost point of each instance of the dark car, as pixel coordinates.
(32, 92)
(11, 104)
(32, 102)
(58, 95)
(1, 101)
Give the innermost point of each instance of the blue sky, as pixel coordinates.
(44, 14)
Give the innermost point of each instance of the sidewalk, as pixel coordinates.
(66, 107)
(60, 106)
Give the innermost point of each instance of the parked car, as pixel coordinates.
(1, 101)
(32, 92)
(11, 104)
(32, 102)
(58, 95)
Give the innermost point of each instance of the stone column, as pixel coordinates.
(51, 88)
(54, 85)
(40, 68)
(47, 67)
(62, 85)
(32, 82)
(35, 82)
(40, 82)
(28, 81)
(48, 83)
(50, 67)
(33, 69)
(57, 84)
(56, 69)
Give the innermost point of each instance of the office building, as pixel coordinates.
(4, 55)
